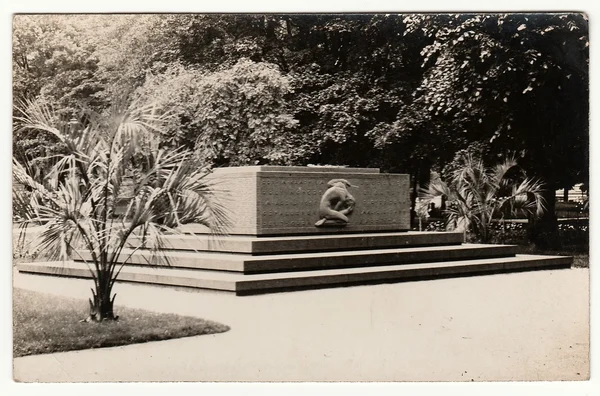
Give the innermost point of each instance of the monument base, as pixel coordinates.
(252, 265)
(279, 200)
(308, 227)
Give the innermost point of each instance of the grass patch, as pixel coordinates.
(581, 261)
(44, 323)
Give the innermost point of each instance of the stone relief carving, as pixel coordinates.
(336, 204)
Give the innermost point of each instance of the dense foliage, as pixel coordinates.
(401, 92)
(230, 117)
(474, 196)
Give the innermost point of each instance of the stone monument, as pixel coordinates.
(309, 227)
(279, 200)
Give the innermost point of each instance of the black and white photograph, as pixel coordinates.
(300, 197)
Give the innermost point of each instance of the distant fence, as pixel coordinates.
(575, 194)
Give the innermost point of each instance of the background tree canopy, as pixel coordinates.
(403, 92)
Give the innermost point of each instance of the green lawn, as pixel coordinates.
(581, 260)
(44, 323)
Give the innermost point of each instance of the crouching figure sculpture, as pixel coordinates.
(336, 204)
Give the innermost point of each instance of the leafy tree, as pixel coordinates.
(352, 75)
(216, 41)
(517, 82)
(76, 205)
(129, 47)
(349, 73)
(501, 78)
(53, 58)
(475, 195)
(234, 116)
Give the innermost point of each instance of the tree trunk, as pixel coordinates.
(413, 200)
(485, 228)
(544, 232)
(566, 193)
(421, 178)
(101, 304)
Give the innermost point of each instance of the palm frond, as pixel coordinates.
(501, 169)
(432, 192)
(478, 194)
(37, 115)
(526, 198)
(182, 194)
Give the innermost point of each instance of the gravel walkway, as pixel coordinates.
(521, 326)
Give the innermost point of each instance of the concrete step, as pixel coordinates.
(306, 243)
(310, 261)
(273, 282)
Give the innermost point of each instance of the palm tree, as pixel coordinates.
(83, 204)
(476, 194)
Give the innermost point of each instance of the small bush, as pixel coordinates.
(574, 235)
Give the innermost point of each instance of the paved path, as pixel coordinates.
(522, 326)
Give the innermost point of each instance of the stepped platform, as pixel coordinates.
(249, 264)
(420, 256)
(307, 227)
(242, 284)
(307, 243)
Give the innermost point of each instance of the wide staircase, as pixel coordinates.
(264, 264)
